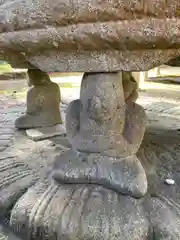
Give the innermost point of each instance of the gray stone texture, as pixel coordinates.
(36, 207)
(15, 178)
(130, 87)
(73, 35)
(79, 212)
(125, 176)
(37, 134)
(49, 211)
(43, 100)
(104, 121)
(101, 121)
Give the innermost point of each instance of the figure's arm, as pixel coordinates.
(73, 118)
(127, 143)
(135, 122)
(130, 87)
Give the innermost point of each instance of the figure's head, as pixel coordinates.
(37, 77)
(99, 95)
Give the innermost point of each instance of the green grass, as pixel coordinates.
(67, 85)
(5, 68)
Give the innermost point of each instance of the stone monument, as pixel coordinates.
(42, 117)
(106, 128)
(99, 188)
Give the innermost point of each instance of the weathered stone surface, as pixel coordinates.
(52, 211)
(6, 234)
(87, 11)
(125, 176)
(43, 101)
(174, 62)
(46, 132)
(130, 87)
(15, 178)
(49, 210)
(107, 122)
(89, 35)
(101, 121)
(78, 211)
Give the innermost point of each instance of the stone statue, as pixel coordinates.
(130, 87)
(43, 100)
(98, 189)
(42, 118)
(106, 128)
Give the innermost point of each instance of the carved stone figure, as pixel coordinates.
(94, 191)
(106, 127)
(130, 87)
(97, 189)
(43, 100)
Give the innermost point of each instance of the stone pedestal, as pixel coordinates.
(43, 110)
(42, 133)
(96, 193)
(105, 127)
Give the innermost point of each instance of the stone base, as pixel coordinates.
(15, 178)
(28, 121)
(38, 208)
(48, 210)
(6, 234)
(42, 133)
(126, 175)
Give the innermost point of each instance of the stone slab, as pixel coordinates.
(84, 36)
(42, 133)
(6, 234)
(100, 61)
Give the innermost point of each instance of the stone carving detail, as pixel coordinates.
(105, 127)
(89, 36)
(37, 208)
(50, 211)
(130, 87)
(43, 100)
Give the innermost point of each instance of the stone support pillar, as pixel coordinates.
(43, 110)
(105, 127)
